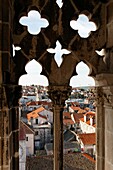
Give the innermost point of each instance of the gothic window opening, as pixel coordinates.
(58, 51)
(59, 3)
(83, 25)
(33, 76)
(82, 79)
(34, 22)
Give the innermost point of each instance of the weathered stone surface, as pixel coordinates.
(35, 47)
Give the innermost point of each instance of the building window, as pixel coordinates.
(36, 121)
(36, 133)
(26, 138)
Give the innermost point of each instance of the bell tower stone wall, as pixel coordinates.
(35, 47)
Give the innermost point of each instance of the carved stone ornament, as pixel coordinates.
(104, 96)
(108, 96)
(99, 96)
(58, 94)
(59, 14)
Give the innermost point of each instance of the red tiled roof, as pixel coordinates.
(77, 117)
(82, 119)
(88, 122)
(81, 111)
(88, 157)
(94, 125)
(75, 108)
(67, 115)
(35, 113)
(26, 128)
(88, 138)
(44, 117)
(22, 134)
(32, 103)
(87, 109)
(68, 122)
(91, 113)
(75, 103)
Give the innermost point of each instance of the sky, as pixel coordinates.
(33, 68)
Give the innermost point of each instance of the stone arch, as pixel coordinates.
(83, 77)
(82, 49)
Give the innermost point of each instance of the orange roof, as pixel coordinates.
(32, 103)
(81, 111)
(35, 113)
(67, 115)
(91, 113)
(75, 108)
(87, 109)
(88, 138)
(89, 157)
(75, 103)
(77, 117)
(68, 122)
(88, 122)
(82, 119)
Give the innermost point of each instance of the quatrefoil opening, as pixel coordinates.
(58, 51)
(34, 22)
(83, 25)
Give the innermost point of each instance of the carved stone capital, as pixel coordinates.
(58, 94)
(104, 96)
(104, 79)
(99, 96)
(108, 95)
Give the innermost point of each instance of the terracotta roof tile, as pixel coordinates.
(77, 117)
(44, 117)
(87, 109)
(75, 108)
(27, 129)
(35, 113)
(81, 111)
(67, 115)
(91, 113)
(22, 134)
(88, 157)
(82, 119)
(88, 122)
(75, 103)
(88, 138)
(32, 103)
(68, 122)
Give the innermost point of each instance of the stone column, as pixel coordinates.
(100, 130)
(58, 94)
(104, 122)
(108, 106)
(9, 131)
(9, 95)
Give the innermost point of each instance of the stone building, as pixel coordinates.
(58, 17)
